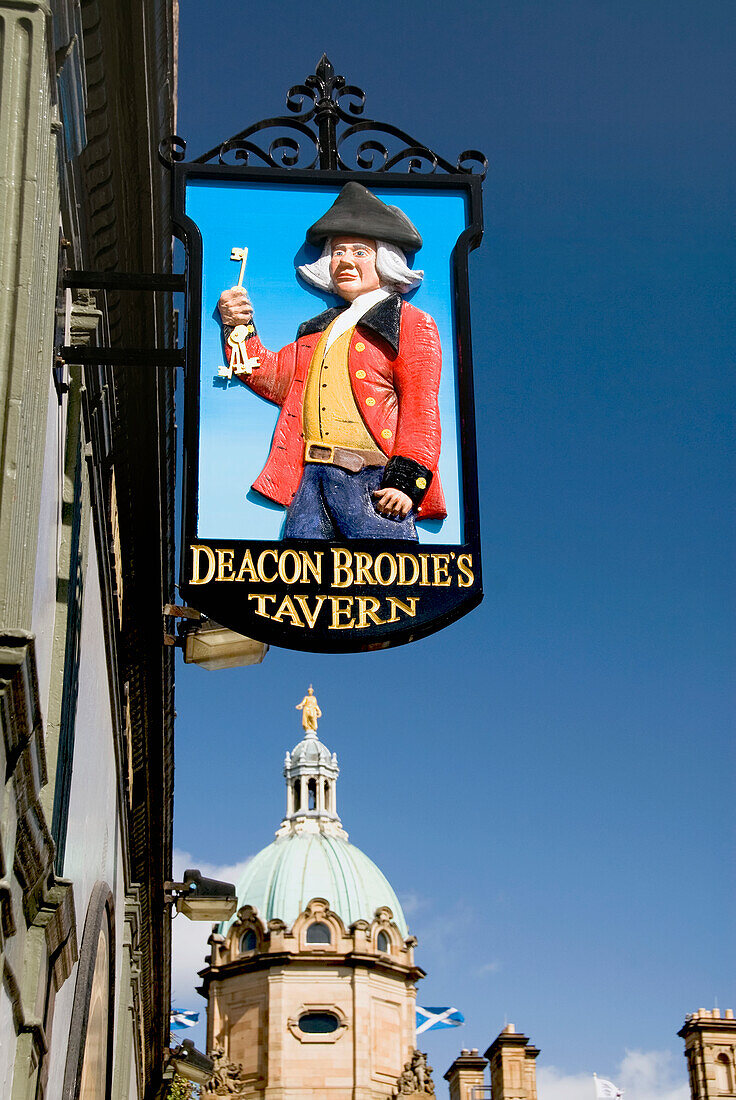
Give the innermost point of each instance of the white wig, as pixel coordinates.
(391, 267)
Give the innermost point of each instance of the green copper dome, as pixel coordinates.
(282, 879)
(311, 857)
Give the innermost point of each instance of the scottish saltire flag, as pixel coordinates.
(179, 1019)
(606, 1090)
(432, 1019)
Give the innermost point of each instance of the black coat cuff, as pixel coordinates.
(408, 476)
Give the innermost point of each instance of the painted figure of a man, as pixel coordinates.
(356, 446)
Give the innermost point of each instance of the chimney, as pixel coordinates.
(710, 1050)
(513, 1070)
(466, 1075)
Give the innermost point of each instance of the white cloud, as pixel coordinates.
(491, 967)
(552, 1084)
(654, 1075)
(412, 903)
(641, 1075)
(228, 872)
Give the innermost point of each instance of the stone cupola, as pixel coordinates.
(311, 987)
(311, 773)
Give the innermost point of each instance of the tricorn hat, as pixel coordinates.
(356, 210)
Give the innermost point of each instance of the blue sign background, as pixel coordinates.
(236, 425)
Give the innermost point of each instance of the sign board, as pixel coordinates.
(330, 499)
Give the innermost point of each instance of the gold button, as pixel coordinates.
(370, 401)
(386, 433)
(421, 483)
(360, 346)
(360, 374)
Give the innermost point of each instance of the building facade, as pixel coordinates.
(311, 988)
(87, 90)
(710, 1051)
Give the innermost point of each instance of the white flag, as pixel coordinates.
(606, 1090)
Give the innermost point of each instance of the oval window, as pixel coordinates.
(318, 1023)
(318, 933)
(248, 941)
(382, 942)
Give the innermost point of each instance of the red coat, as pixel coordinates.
(395, 358)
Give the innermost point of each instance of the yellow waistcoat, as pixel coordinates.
(330, 414)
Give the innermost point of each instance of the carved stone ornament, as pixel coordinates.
(416, 1077)
(228, 1078)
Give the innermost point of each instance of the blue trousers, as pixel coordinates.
(331, 503)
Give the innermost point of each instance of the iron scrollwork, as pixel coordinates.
(172, 150)
(329, 133)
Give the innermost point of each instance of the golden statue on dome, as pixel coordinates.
(310, 711)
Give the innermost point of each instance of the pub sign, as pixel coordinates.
(330, 498)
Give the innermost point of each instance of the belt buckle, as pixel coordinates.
(329, 448)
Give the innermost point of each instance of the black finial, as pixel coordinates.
(325, 83)
(324, 69)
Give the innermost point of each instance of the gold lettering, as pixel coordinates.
(296, 570)
(441, 577)
(465, 566)
(367, 608)
(246, 566)
(261, 558)
(310, 566)
(409, 608)
(225, 562)
(196, 576)
(338, 610)
(403, 560)
(261, 609)
(377, 565)
(287, 611)
(363, 563)
(341, 562)
(424, 560)
(311, 618)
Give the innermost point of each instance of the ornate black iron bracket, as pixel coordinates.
(132, 357)
(328, 134)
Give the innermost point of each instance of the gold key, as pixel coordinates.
(242, 255)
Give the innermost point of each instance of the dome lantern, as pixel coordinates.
(311, 772)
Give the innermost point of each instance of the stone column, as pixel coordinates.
(465, 1075)
(29, 230)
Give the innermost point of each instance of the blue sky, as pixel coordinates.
(548, 784)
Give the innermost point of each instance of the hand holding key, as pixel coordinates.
(234, 304)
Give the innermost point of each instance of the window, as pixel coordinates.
(318, 1023)
(248, 941)
(724, 1081)
(383, 943)
(88, 1072)
(297, 795)
(312, 794)
(318, 933)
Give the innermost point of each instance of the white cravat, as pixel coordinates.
(350, 316)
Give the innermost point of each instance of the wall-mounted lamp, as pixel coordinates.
(210, 645)
(190, 1063)
(202, 898)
